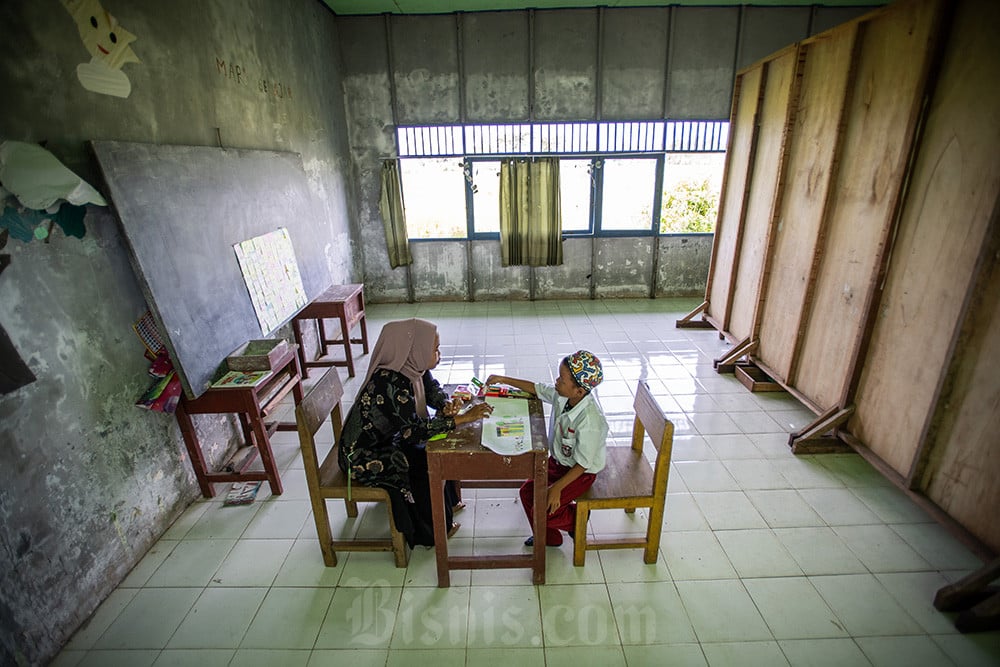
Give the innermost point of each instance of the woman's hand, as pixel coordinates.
(475, 413)
(496, 379)
(451, 407)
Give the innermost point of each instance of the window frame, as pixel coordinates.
(642, 139)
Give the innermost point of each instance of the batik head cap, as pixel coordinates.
(585, 368)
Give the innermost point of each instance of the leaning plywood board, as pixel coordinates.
(954, 188)
(772, 123)
(881, 119)
(811, 164)
(964, 464)
(730, 222)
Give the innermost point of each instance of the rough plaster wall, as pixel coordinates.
(565, 62)
(635, 60)
(682, 268)
(494, 282)
(700, 83)
(623, 267)
(440, 269)
(368, 101)
(572, 279)
(425, 64)
(87, 481)
(495, 48)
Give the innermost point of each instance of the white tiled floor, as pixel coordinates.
(766, 558)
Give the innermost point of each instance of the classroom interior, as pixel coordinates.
(766, 558)
(111, 554)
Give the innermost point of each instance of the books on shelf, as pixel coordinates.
(162, 395)
(241, 379)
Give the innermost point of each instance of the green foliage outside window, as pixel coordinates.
(689, 207)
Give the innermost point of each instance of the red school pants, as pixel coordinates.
(563, 518)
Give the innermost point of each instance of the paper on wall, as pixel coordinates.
(38, 179)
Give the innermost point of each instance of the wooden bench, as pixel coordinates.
(628, 481)
(326, 480)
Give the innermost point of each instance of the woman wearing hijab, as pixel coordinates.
(384, 435)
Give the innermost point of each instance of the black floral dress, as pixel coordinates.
(382, 445)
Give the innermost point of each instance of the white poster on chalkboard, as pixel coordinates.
(272, 278)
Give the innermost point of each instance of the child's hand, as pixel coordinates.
(553, 500)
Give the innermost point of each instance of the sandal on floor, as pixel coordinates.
(458, 507)
(454, 529)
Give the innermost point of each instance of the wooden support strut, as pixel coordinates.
(688, 321)
(979, 602)
(727, 363)
(812, 439)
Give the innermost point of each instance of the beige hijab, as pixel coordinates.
(407, 347)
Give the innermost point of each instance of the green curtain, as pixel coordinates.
(393, 217)
(530, 215)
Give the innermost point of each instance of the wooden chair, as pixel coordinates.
(628, 481)
(327, 480)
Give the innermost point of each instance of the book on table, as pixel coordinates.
(241, 379)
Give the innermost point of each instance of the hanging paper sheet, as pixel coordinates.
(272, 278)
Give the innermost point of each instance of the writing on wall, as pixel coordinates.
(240, 75)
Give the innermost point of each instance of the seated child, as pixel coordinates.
(577, 434)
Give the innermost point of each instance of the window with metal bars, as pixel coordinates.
(617, 178)
(528, 139)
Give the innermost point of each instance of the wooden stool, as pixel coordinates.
(343, 302)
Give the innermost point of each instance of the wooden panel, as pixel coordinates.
(965, 467)
(954, 187)
(728, 227)
(815, 136)
(880, 124)
(767, 169)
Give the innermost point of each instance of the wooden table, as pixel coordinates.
(253, 405)
(342, 302)
(461, 456)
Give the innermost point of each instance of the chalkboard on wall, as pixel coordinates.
(181, 210)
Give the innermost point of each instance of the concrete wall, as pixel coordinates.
(547, 65)
(87, 481)
(620, 267)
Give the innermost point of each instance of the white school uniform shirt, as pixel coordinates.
(578, 435)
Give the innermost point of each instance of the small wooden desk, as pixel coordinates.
(461, 456)
(345, 303)
(253, 405)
